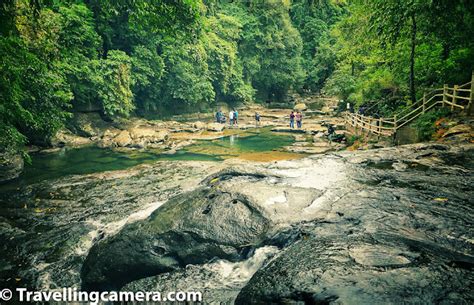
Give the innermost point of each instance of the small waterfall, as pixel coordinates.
(106, 229)
(229, 274)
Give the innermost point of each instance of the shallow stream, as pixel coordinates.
(87, 160)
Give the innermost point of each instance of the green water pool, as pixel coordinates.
(86, 160)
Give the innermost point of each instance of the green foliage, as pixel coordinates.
(147, 71)
(226, 70)
(114, 89)
(425, 124)
(314, 19)
(271, 49)
(123, 24)
(163, 57)
(376, 47)
(33, 98)
(353, 139)
(77, 35)
(186, 84)
(11, 140)
(340, 84)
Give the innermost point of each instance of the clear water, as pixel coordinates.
(88, 160)
(255, 141)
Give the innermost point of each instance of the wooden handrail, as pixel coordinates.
(421, 100)
(466, 84)
(407, 115)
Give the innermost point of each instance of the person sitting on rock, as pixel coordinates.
(292, 119)
(333, 136)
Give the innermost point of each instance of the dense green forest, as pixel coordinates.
(137, 57)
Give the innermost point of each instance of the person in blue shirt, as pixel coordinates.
(236, 117)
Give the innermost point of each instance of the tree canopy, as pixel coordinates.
(159, 57)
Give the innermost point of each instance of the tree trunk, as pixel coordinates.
(412, 59)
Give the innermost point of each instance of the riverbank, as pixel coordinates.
(180, 132)
(172, 135)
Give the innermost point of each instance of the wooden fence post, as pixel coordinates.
(424, 102)
(354, 119)
(445, 91)
(454, 96)
(470, 105)
(395, 122)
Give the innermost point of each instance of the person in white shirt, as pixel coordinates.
(231, 118)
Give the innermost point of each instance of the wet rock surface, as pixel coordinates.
(11, 166)
(367, 227)
(401, 229)
(193, 228)
(47, 229)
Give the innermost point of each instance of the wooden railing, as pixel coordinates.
(458, 97)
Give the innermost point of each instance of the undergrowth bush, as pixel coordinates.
(425, 124)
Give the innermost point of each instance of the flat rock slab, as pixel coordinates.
(308, 149)
(462, 128)
(396, 225)
(382, 256)
(287, 129)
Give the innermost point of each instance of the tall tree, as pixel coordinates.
(391, 18)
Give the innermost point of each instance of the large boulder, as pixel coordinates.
(148, 134)
(217, 127)
(328, 268)
(160, 136)
(65, 137)
(141, 132)
(199, 125)
(87, 124)
(11, 166)
(300, 107)
(458, 129)
(193, 228)
(123, 139)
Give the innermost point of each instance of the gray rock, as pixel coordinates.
(123, 139)
(193, 228)
(364, 227)
(11, 166)
(65, 137)
(217, 127)
(87, 124)
(383, 232)
(458, 129)
(288, 129)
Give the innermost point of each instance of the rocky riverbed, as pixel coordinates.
(374, 226)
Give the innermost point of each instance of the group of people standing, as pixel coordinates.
(233, 117)
(298, 117)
